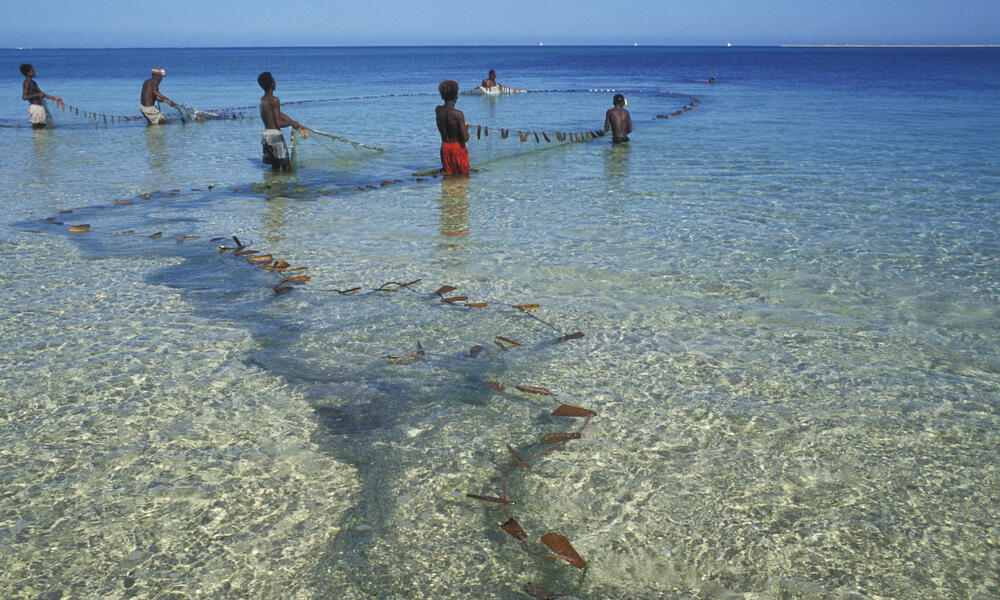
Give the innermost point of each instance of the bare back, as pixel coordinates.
(619, 121)
(150, 88)
(451, 124)
(270, 111)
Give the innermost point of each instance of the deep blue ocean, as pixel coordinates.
(787, 285)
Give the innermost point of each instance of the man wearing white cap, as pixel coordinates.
(150, 94)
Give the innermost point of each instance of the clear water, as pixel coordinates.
(789, 295)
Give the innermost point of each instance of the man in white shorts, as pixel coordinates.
(35, 97)
(150, 95)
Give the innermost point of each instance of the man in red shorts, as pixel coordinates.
(454, 133)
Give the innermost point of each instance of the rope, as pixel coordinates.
(483, 131)
(340, 99)
(97, 116)
(345, 140)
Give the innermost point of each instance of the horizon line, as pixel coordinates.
(890, 45)
(540, 44)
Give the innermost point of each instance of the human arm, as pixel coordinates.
(30, 91)
(607, 121)
(286, 121)
(460, 118)
(628, 123)
(161, 98)
(280, 119)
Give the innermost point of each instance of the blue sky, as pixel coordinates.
(120, 23)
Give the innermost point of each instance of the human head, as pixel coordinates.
(158, 73)
(448, 89)
(266, 81)
(26, 68)
(493, 74)
(619, 100)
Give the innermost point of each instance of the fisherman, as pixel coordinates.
(454, 131)
(490, 81)
(35, 97)
(618, 121)
(275, 150)
(150, 95)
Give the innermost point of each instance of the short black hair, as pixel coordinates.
(25, 69)
(448, 89)
(265, 80)
(618, 99)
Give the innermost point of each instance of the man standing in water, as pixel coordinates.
(36, 106)
(275, 150)
(618, 121)
(150, 94)
(454, 133)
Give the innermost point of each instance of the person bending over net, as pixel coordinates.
(454, 133)
(150, 95)
(275, 149)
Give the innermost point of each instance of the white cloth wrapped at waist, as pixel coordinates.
(276, 141)
(152, 113)
(36, 113)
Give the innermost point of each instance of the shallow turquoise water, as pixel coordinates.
(789, 297)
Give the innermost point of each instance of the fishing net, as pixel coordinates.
(315, 148)
(484, 332)
(188, 113)
(69, 113)
(497, 90)
(492, 143)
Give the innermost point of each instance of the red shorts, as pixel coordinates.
(454, 158)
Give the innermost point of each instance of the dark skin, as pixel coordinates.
(619, 122)
(151, 91)
(31, 93)
(273, 118)
(490, 81)
(451, 123)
